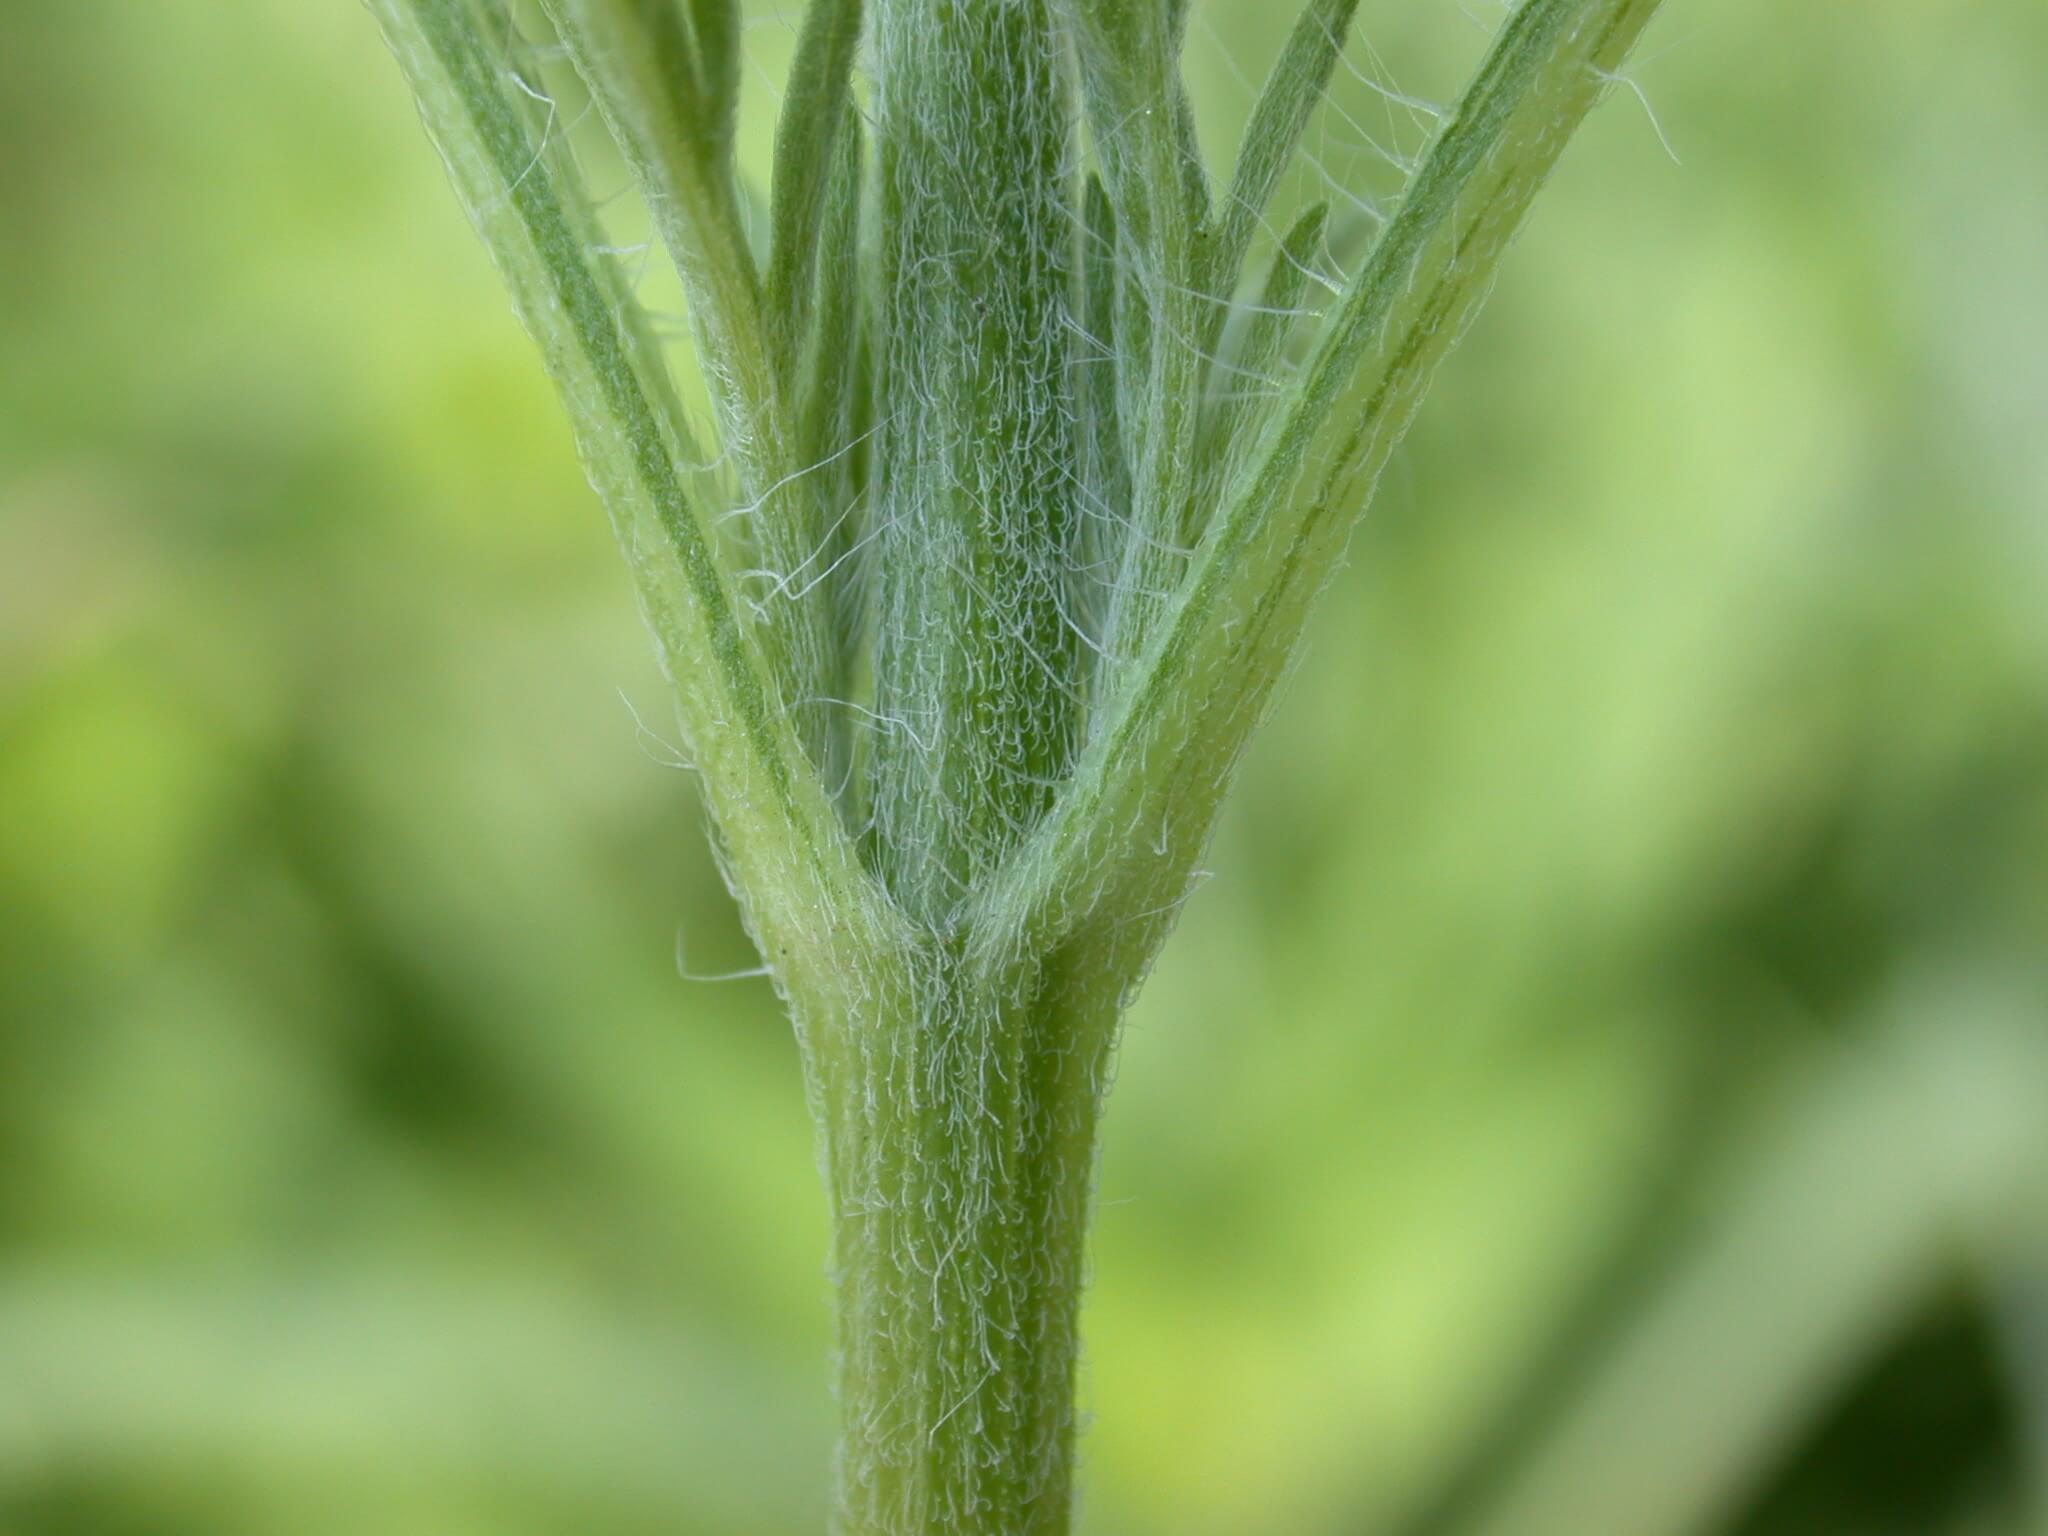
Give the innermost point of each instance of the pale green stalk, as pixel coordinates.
(998, 576)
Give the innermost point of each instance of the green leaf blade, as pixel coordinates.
(625, 52)
(496, 133)
(715, 25)
(817, 109)
(1244, 383)
(1166, 750)
(1272, 135)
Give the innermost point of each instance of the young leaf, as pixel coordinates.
(1247, 382)
(1163, 757)
(816, 108)
(1142, 136)
(625, 51)
(484, 109)
(716, 27)
(1105, 471)
(1272, 136)
(834, 433)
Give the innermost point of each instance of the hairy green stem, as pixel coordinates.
(960, 1160)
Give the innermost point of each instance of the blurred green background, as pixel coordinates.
(1602, 1092)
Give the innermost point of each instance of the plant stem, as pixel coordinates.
(960, 1137)
(957, 902)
